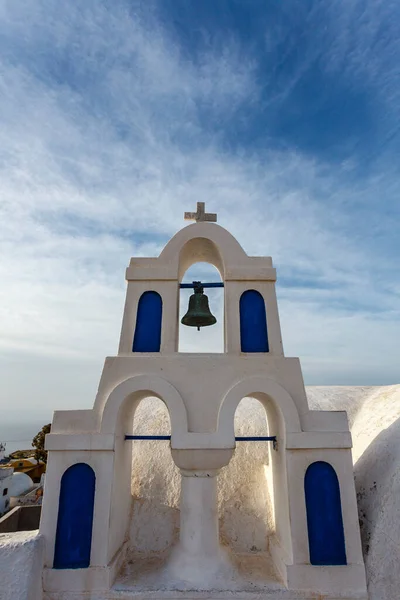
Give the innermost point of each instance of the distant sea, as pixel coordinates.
(18, 435)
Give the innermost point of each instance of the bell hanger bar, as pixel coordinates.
(199, 284)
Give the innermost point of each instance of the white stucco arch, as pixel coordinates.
(117, 417)
(269, 393)
(282, 417)
(129, 393)
(203, 242)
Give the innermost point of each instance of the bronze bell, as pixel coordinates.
(198, 314)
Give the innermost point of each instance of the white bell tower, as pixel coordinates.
(316, 546)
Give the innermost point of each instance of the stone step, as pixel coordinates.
(282, 594)
(247, 577)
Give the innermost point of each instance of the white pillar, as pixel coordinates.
(199, 534)
(198, 557)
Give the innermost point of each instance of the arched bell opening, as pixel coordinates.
(200, 250)
(209, 338)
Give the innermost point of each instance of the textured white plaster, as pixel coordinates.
(156, 482)
(244, 500)
(376, 434)
(246, 518)
(21, 563)
(374, 413)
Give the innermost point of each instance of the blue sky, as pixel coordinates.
(117, 116)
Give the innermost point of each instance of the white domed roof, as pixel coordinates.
(21, 482)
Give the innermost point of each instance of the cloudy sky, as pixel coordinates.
(116, 116)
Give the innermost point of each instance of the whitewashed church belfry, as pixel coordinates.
(316, 543)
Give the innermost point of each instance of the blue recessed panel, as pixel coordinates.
(253, 322)
(147, 336)
(75, 518)
(324, 515)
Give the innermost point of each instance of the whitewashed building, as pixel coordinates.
(6, 476)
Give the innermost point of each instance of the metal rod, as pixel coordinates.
(271, 438)
(213, 284)
(147, 437)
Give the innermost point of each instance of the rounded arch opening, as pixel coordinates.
(211, 338)
(200, 250)
(279, 405)
(203, 242)
(120, 415)
(246, 503)
(282, 416)
(125, 397)
(155, 482)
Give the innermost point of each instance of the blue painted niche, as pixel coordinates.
(147, 336)
(75, 518)
(253, 322)
(324, 515)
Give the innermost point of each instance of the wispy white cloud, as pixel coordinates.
(109, 132)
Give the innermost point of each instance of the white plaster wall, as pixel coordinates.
(243, 490)
(169, 292)
(156, 482)
(121, 497)
(245, 499)
(374, 413)
(202, 394)
(21, 562)
(245, 508)
(299, 461)
(102, 464)
(233, 292)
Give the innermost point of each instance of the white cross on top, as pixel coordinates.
(201, 214)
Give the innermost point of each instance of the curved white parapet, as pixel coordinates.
(21, 565)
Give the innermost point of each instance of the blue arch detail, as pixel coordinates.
(324, 515)
(253, 322)
(75, 518)
(147, 336)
